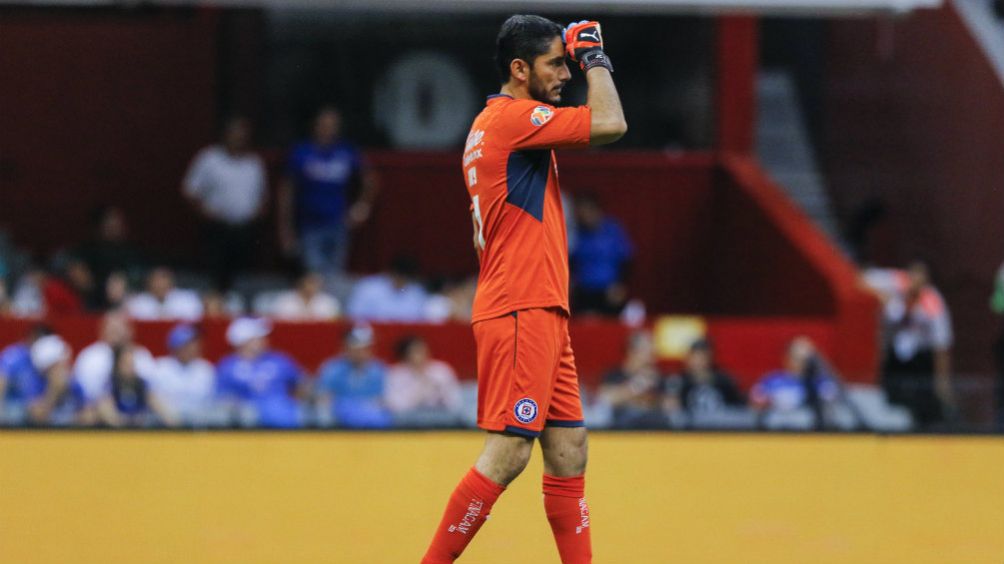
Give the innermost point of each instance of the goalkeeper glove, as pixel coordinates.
(584, 45)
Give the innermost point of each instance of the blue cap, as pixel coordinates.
(181, 335)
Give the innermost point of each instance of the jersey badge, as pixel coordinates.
(541, 115)
(525, 410)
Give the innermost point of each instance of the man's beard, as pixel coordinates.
(539, 93)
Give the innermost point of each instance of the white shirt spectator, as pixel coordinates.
(290, 306)
(178, 304)
(375, 298)
(186, 389)
(93, 367)
(435, 389)
(231, 188)
(926, 326)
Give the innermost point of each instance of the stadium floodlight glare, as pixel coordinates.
(764, 7)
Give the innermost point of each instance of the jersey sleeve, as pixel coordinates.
(531, 125)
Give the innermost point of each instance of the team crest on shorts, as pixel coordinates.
(525, 410)
(541, 115)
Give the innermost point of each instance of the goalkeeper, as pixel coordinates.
(528, 387)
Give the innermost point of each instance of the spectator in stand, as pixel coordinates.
(350, 387)
(453, 302)
(634, 389)
(805, 381)
(315, 216)
(702, 388)
(392, 296)
(183, 380)
(308, 302)
(127, 400)
(27, 299)
(111, 250)
(162, 300)
(95, 364)
(35, 384)
(68, 289)
(599, 260)
(256, 384)
(58, 296)
(916, 372)
(226, 183)
(997, 306)
(116, 290)
(422, 391)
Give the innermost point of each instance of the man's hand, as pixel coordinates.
(358, 214)
(584, 45)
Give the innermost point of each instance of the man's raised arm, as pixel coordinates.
(584, 44)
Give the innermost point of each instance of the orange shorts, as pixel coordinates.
(526, 373)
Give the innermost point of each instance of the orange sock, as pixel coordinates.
(565, 505)
(466, 511)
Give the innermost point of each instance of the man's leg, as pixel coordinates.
(503, 458)
(565, 453)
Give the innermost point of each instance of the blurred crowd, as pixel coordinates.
(115, 382)
(326, 191)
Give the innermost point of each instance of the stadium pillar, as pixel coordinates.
(737, 53)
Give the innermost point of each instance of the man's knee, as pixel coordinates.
(566, 450)
(504, 457)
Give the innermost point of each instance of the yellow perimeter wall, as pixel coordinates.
(183, 498)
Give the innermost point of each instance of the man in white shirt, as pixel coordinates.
(184, 381)
(227, 184)
(308, 302)
(390, 297)
(162, 300)
(916, 371)
(93, 367)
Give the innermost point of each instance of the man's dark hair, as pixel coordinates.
(523, 37)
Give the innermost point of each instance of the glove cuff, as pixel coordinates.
(595, 58)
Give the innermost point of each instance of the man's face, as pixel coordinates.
(160, 283)
(237, 136)
(359, 354)
(189, 351)
(549, 73)
(327, 127)
(117, 330)
(698, 361)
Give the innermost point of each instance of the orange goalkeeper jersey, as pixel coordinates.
(519, 223)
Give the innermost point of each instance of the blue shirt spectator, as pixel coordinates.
(598, 259)
(599, 255)
(267, 382)
(322, 174)
(37, 385)
(314, 211)
(351, 387)
(790, 387)
(264, 380)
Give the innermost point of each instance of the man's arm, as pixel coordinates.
(607, 122)
(363, 207)
(584, 45)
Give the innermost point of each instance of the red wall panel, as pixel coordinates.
(102, 107)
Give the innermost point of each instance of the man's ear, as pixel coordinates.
(520, 70)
